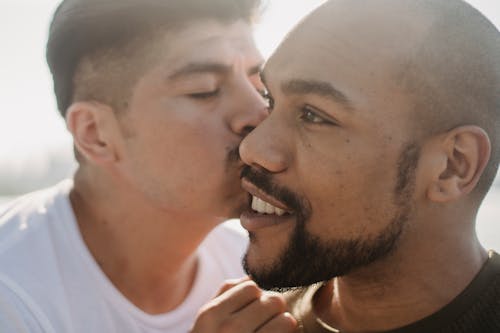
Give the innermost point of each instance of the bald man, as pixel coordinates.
(366, 178)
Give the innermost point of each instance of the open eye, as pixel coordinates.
(309, 115)
(205, 94)
(313, 116)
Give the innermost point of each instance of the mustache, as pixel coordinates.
(263, 180)
(233, 155)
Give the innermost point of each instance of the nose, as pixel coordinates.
(265, 147)
(248, 109)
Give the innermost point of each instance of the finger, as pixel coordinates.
(228, 284)
(218, 314)
(282, 323)
(257, 313)
(233, 299)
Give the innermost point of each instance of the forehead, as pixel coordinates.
(360, 49)
(208, 41)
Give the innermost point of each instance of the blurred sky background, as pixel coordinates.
(35, 149)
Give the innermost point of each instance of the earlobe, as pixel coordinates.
(464, 153)
(93, 136)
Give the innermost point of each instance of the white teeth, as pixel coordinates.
(260, 206)
(269, 209)
(279, 211)
(254, 203)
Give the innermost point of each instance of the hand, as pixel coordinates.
(242, 307)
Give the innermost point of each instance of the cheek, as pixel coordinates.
(186, 150)
(198, 151)
(349, 193)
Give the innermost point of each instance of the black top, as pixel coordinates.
(475, 310)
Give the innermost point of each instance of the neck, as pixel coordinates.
(144, 251)
(408, 285)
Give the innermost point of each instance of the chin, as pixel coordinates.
(257, 261)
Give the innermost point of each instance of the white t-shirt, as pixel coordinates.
(49, 281)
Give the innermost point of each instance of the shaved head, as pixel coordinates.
(454, 75)
(444, 54)
(384, 113)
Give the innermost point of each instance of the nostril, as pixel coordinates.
(246, 130)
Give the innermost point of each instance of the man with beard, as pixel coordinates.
(157, 95)
(365, 180)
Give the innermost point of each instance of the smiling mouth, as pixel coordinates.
(263, 207)
(263, 204)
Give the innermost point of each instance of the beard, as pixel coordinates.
(309, 259)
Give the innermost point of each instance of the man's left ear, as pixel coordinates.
(461, 158)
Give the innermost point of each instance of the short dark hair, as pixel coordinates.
(83, 27)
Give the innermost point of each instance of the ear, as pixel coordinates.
(459, 161)
(94, 129)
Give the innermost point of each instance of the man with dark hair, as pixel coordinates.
(157, 95)
(365, 180)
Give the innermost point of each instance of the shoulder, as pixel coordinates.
(24, 217)
(18, 312)
(34, 204)
(32, 243)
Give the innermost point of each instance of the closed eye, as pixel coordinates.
(205, 94)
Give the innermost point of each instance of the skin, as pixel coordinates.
(327, 151)
(341, 156)
(159, 175)
(241, 306)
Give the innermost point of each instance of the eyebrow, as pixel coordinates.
(210, 68)
(320, 88)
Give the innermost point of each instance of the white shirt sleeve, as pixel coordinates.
(15, 315)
